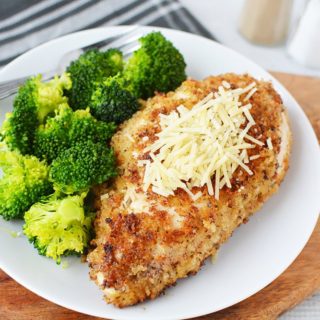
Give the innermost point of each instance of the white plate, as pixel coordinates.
(257, 253)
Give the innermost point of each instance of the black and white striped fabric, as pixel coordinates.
(25, 24)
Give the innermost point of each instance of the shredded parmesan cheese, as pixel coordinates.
(269, 143)
(257, 156)
(250, 94)
(104, 196)
(209, 141)
(134, 201)
(226, 84)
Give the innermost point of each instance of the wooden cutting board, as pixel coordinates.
(299, 281)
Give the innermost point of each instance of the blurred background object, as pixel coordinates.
(24, 24)
(222, 19)
(265, 21)
(305, 43)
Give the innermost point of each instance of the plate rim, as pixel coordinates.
(150, 28)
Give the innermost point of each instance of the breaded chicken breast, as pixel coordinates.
(145, 242)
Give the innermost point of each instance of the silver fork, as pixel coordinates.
(127, 42)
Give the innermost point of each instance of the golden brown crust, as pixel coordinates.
(146, 242)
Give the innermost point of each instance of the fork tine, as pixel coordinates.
(129, 47)
(131, 41)
(113, 42)
(127, 41)
(130, 50)
(122, 42)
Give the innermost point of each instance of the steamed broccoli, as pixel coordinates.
(112, 102)
(24, 181)
(81, 166)
(67, 128)
(156, 66)
(91, 67)
(34, 101)
(52, 137)
(58, 226)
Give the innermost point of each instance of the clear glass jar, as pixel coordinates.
(265, 22)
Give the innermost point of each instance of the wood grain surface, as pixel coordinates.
(299, 281)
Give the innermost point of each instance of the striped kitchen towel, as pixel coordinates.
(25, 24)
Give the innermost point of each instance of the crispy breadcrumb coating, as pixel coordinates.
(146, 242)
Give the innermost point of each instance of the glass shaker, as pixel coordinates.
(265, 22)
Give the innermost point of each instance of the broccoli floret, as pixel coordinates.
(58, 226)
(112, 102)
(67, 128)
(91, 67)
(52, 137)
(84, 127)
(24, 180)
(34, 101)
(156, 66)
(82, 166)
